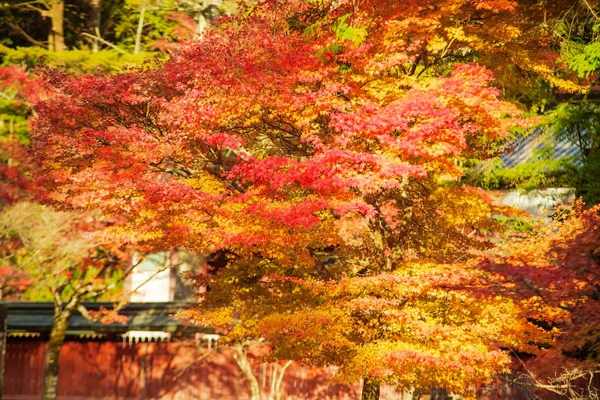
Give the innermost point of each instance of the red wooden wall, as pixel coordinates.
(105, 370)
(114, 370)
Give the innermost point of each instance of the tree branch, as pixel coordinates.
(588, 5)
(18, 28)
(109, 44)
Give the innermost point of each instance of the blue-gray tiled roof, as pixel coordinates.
(525, 148)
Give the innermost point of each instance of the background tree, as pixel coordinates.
(95, 24)
(65, 261)
(54, 10)
(577, 123)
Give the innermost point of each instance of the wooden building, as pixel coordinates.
(151, 356)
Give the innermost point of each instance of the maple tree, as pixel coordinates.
(320, 156)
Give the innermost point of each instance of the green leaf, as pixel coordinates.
(345, 32)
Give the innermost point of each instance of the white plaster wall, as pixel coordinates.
(538, 202)
(151, 280)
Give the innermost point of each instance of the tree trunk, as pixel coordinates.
(276, 391)
(200, 26)
(56, 37)
(244, 364)
(57, 337)
(140, 29)
(95, 21)
(370, 389)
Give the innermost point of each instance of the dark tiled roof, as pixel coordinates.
(37, 317)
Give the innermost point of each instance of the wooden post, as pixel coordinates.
(3, 334)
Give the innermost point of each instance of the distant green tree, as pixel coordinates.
(579, 123)
(143, 22)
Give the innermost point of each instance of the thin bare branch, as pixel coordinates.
(109, 44)
(591, 9)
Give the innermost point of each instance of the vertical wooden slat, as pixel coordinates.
(141, 363)
(3, 333)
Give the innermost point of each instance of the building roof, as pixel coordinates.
(526, 148)
(37, 317)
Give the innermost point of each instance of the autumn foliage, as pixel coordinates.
(554, 270)
(320, 152)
